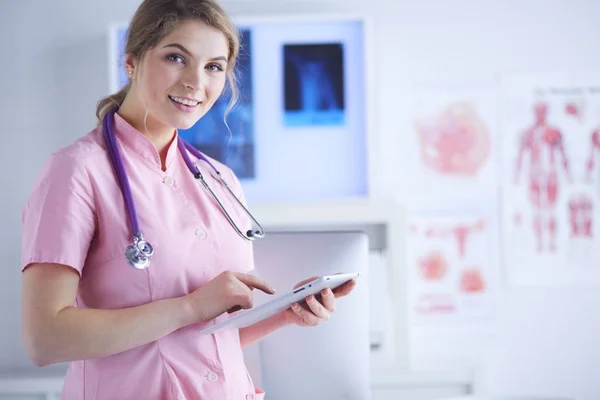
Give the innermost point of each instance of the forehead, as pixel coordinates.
(199, 38)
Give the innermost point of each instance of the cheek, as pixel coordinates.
(215, 87)
(158, 80)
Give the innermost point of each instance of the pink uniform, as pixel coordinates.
(76, 216)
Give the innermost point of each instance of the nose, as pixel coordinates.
(193, 80)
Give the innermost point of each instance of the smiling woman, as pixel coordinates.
(133, 333)
(178, 62)
(176, 82)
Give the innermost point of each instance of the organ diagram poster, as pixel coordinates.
(551, 178)
(449, 143)
(452, 264)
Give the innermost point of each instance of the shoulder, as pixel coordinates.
(68, 167)
(222, 168)
(85, 148)
(78, 153)
(226, 172)
(554, 136)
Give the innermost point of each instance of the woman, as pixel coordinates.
(133, 333)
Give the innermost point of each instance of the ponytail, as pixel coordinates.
(109, 102)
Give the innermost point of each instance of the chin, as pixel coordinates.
(183, 122)
(180, 120)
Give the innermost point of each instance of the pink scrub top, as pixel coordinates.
(76, 216)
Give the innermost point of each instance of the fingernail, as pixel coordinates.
(295, 306)
(324, 292)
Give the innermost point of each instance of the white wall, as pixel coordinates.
(53, 70)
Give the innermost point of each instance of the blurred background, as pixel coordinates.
(462, 137)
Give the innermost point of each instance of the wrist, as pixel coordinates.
(283, 319)
(185, 311)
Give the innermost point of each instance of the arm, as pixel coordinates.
(56, 331)
(256, 332)
(592, 158)
(561, 149)
(523, 146)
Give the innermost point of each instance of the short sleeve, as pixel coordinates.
(246, 223)
(59, 218)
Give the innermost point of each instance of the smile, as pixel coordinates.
(184, 101)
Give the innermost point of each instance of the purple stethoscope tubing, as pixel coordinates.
(138, 254)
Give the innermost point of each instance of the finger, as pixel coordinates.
(306, 281)
(255, 283)
(306, 316)
(317, 308)
(328, 300)
(344, 289)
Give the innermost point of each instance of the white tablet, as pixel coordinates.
(283, 302)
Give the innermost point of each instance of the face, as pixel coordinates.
(540, 111)
(180, 79)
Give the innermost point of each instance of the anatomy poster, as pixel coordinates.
(449, 143)
(551, 178)
(452, 264)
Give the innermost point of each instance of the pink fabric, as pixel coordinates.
(76, 216)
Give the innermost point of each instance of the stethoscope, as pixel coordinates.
(138, 254)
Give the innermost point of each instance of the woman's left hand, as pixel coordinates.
(316, 309)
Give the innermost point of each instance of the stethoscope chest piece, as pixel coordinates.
(138, 254)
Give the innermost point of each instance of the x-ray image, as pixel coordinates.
(210, 134)
(314, 84)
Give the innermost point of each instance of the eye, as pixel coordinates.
(215, 67)
(175, 58)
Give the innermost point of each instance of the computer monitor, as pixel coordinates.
(329, 361)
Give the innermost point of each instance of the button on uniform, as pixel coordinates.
(211, 377)
(200, 233)
(167, 180)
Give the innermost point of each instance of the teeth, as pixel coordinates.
(184, 101)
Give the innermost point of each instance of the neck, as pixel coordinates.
(159, 135)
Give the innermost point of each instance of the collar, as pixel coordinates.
(141, 145)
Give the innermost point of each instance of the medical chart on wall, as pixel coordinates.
(302, 102)
(551, 178)
(451, 256)
(449, 143)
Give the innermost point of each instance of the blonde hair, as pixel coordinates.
(155, 19)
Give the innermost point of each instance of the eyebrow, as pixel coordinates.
(186, 51)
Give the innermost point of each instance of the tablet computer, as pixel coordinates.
(283, 302)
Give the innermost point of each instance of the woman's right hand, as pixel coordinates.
(229, 291)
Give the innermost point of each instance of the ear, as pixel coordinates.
(131, 65)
